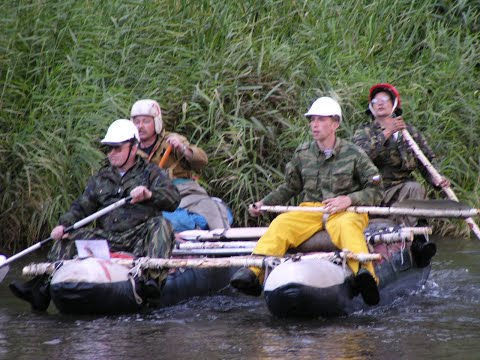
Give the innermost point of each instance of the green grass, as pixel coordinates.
(235, 77)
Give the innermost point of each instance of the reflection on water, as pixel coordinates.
(440, 322)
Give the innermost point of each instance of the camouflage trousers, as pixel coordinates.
(410, 190)
(153, 238)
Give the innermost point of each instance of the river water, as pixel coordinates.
(442, 321)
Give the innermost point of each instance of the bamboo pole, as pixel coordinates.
(378, 210)
(437, 177)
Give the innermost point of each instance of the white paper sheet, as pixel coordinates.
(93, 248)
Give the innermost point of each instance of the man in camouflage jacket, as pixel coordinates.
(382, 140)
(137, 227)
(329, 172)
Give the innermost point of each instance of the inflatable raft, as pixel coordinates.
(325, 288)
(97, 286)
(296, 287)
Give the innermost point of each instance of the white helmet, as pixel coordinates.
(325, 106)
(151, 108)
(120, 131)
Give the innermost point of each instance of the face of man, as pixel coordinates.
(323, 127)
(146, 128)
(382, 104)
(121, 157)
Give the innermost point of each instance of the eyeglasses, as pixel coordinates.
(381, 99)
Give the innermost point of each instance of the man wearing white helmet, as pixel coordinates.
(181, 164)
(329, 172)
(137, 227)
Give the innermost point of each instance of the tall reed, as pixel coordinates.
(235, 77)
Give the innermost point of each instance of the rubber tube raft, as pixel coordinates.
(97, 286)
(322, 288)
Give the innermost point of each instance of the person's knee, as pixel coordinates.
(414, 190)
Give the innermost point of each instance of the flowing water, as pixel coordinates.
(440, 322)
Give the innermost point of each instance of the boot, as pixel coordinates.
(35, 291)
(422, 251)
(246, 281)
(151, 289)
(147, 289)
(367, 286)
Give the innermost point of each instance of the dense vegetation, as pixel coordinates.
(235, 76)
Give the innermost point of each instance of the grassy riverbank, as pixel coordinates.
(235, 77)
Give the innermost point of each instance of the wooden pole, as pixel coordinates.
(437, 177)
(378, 210)
(233, 261)
(404, 233)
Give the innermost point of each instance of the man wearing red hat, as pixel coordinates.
(383, 142)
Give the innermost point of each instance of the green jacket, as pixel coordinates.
(107, 187)
(394, 158)
(348, 171)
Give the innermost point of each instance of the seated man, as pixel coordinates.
(329, 172)
(183, 161)
(137, 227)
(383, 142)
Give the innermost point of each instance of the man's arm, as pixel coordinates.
(165, 195)
(192, 157)
(82, 207)
(293, 185)
(369, 140)
(372, 192)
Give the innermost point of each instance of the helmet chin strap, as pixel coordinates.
(128, 157)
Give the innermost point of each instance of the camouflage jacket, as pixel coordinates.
(108, 186)
(176, 164)
(394, 158)
(348, 171)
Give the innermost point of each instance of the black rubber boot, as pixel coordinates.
(366, 285)
(148, 289)
(246, 281)
(422, 251)
(151, 289)
(35, 291)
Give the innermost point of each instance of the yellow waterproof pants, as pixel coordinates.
(290, 229)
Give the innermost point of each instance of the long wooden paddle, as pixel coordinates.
(437, 177)
(77, 225)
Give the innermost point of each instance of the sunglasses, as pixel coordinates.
(109, 148)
